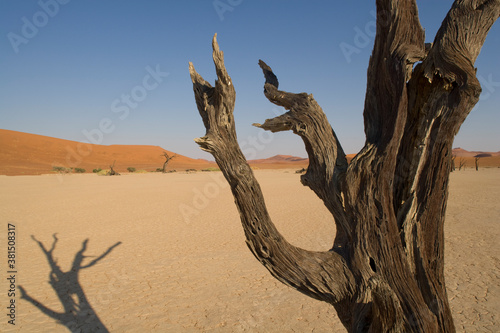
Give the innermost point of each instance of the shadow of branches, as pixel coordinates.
(78, 315)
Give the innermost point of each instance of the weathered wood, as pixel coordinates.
(385, 272)
(327, 161)
(322, 275)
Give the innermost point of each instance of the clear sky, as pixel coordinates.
(116, 72)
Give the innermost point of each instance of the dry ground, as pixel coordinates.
(183, 265)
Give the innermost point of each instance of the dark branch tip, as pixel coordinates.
(268, 74)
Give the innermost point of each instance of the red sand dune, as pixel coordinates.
(280, 162)
(31, 154)
(285, 161)
(467, 157)
(459, 152)
(281, 159)
(290, 159)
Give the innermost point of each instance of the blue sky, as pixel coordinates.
(116, 72)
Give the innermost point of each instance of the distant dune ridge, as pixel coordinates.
(281, 159)
(459, 152)
(280, 162)
(32, 154)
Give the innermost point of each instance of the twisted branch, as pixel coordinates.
(321, 275)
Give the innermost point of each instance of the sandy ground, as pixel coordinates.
(183, 266)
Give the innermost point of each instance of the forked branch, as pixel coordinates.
(322, 275)
(327, 160)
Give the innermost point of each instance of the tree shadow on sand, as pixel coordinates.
(78, 315)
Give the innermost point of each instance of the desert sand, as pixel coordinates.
(183, 266)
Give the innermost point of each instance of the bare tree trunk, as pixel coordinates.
(167, 159)
(385, 271)
(477, 157)
(461, 164)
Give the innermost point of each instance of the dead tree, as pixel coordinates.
(112, 171)
(385, 271)
(461, 164)
(167, 159)
(78, 314)
(477, 157)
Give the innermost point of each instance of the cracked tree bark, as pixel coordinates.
(385, 271)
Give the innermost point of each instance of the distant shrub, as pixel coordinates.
(97, 170)
(61, 169)
(159, 170)
(301, 170)
(79, 170)
(131, 169)
(211, 169)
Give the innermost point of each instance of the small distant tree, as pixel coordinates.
(79, 170)
(167, 160)
(131, 169)
(97, 170)
(477, 157)
(461, 164)
(112, 171)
